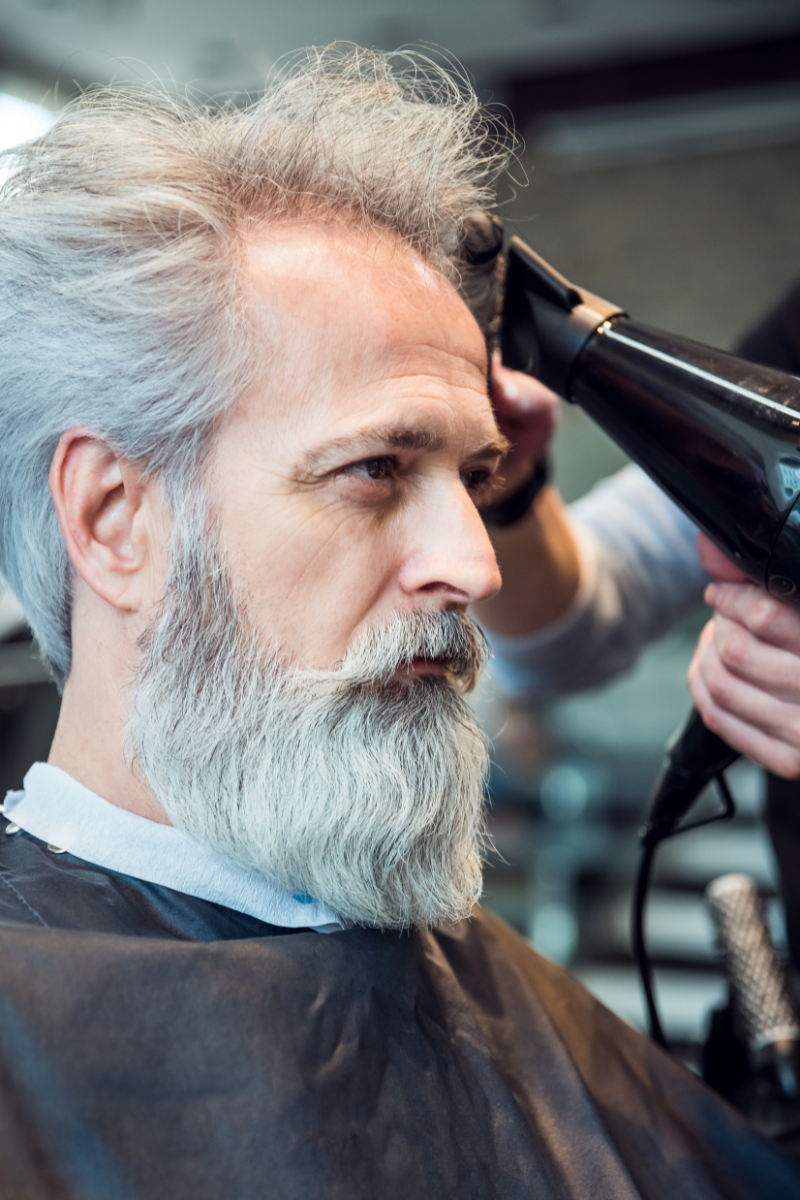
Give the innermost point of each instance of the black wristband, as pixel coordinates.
(515, 506)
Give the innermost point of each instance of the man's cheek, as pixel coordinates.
(340, 570)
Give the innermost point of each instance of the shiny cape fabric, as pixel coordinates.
(157, 1047)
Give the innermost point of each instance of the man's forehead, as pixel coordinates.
(297, 249)
(350, 283)
(368, 332)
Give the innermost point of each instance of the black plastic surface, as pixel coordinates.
(719, 434)
(546, 319)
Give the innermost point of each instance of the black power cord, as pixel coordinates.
(651, 840)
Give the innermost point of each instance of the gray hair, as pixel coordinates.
(121, 308)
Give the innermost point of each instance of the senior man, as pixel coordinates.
(245, 434)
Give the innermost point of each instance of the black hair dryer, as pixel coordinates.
(720, 435)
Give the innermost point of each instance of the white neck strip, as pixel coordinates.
(57, 809)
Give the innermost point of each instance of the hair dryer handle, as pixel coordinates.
(694, 756)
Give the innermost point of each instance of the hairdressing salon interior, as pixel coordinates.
(659, 166)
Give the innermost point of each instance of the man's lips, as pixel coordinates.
(423, 666)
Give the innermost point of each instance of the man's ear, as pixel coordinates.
(102, 508)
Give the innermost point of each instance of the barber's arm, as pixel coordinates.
(585, 588)
(745, 675)
(537, 554)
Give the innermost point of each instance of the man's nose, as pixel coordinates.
(451, 556)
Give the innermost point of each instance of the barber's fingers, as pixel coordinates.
(756, 722)
(718, 565)
(770, 752)
(519, 394)
(774, 670)
(770, 621)
(752, 696)
(526, 411)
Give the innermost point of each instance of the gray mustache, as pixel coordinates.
(455, 641)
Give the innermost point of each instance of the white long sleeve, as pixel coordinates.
(639, 574)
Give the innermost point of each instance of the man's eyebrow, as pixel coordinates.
(497, 447)
(366, 441)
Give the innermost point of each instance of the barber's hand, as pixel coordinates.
(527, 413)
(745, 674)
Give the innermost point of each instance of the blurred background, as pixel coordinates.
(661, 169)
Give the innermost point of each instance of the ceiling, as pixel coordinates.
(222, 46)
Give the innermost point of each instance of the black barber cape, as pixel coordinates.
(158, 1047)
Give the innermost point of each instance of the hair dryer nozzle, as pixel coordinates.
(547, 321)
(719, 434)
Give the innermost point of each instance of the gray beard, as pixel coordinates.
(362, 791)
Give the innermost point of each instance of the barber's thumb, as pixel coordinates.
(520, 394)
(718, 565)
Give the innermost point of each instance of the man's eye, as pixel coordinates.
(372, 468)
(375, 468)
(475, 480)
